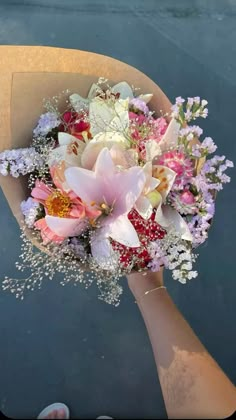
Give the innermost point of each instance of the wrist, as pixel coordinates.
(139, 283)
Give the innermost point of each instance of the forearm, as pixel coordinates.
(193, 385)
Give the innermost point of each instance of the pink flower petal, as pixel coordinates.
(46, 233)
(66, 227)
(77, 211)
(104, 164)
(85, 184)
(126, 188)
(41, 191)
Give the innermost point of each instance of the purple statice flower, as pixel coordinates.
(190, 102)
(186, 112)
(196, 151)
(204, 113)
(199, 226)
(4, 168)
(46, 123)
(213, 172)
(188, 115)
(30, 210)
(229, 163)
(140, 105)
(158, 256)
(20, 161)
(179, 100)
(195, 130)
(175, 111)
(209, 145)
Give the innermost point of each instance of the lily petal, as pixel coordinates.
(104, 164)
(167, 178)
(124, 89)
(146, 97)
(169, 218)
(128, 186)
(122, 231)
(94, 147)
(104, 117)
(152, 150)
(151, 182)
(78, 102)
(65, 139)
(170, 138)
(85, 184)
(144, 207)
(66, 227)
(122, 157)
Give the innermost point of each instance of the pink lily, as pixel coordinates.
(112, 192)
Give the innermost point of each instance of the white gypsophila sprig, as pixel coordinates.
(212, 173)
(52, 104)
(62, 259)
(18, 162)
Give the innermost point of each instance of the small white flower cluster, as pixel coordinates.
(30, 210)
(174, 254)
(18, 162)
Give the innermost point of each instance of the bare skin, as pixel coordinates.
(193, 385)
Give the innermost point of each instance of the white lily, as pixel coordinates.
(144, 204)
(166, 216)
(104, 116)
(93, 148)
(123, 88)
(69, 150)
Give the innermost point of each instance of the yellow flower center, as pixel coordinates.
(103, 207)
(58, 204)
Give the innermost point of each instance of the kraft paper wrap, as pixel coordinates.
(29, 74)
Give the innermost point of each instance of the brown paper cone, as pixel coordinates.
(30, 74)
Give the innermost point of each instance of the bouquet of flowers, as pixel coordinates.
(113, 188)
